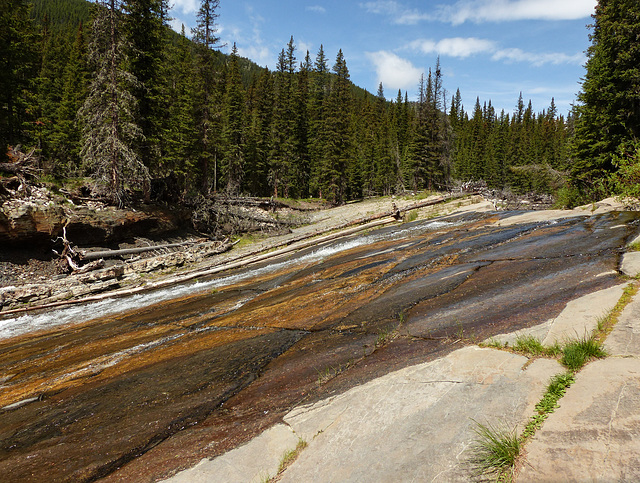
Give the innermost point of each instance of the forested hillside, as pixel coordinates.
(108, 90)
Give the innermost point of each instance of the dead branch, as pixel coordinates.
(129, 251)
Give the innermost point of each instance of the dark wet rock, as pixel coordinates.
(136, 395)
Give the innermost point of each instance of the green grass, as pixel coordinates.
(577, 353)
(529, 345)
(411, 216)
(634, 247)
(495, 451)
(556, 389)
(287, 460)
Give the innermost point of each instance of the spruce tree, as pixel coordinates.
(608, 114)
(109, 131)
(17, 71)
(338, 148)
(233, 126)
(145, 29)
(204, 35)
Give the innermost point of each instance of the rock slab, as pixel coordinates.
(416, 424)
(595, 433)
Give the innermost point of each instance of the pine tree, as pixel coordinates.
(319, 90)
(608, 116)
(233, 126)
(145, 29)
(204, 35)
(110, 133)
(75, 82)
(17, 71)
(338, 149)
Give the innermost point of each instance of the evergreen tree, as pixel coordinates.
(65, 142)
(608, 116)
(233, 126)
(110, 133)
(17, 71)
(145, 29)
(204, 35)
(338, 152)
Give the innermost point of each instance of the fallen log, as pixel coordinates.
(129, 251)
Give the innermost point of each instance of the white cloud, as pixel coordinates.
(393, 71)
(538, 59)
(176, 24)
(186, 6)
(454, 47)
(316, 9)
(400, 14)
(259, 54)
(508, 10)
(466, 47)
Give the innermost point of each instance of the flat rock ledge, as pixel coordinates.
(417, 424)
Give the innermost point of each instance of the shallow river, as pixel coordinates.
(131, 389)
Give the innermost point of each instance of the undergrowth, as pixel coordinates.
(494, 451)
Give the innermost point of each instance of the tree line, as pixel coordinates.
(112, 92)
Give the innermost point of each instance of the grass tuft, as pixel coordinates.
(495, 450)
(578, 352)
(529, 345)
(556, 389)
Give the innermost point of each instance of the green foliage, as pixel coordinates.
(495, 450)
(525, 152)
(626, 180)
(555, 391)
(110, 131)
(607, 116)
(576, 354)
(529, 345)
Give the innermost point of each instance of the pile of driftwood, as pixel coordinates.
(82, 261)
(21, 166)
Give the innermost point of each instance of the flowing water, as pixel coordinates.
(130, 389)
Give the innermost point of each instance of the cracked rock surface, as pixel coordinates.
(595, 433)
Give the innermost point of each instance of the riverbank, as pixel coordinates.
(31, 279)
(419, 423)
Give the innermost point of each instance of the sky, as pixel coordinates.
(491, 49)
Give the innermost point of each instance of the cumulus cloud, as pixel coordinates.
(538, 59)
(186, 6)
(454, 47)
(393, 71)
(465, 47)
(508, 10)
(399, 14)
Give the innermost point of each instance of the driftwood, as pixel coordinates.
(129, 251)
(22, 164)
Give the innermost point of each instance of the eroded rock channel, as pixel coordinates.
(134, 389)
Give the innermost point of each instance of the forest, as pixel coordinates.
(106, 90)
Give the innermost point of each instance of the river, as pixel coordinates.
(131, 389)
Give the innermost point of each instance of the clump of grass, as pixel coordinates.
(528, 344)
(290, 456)
(577, 353)
(495, 450)
(494, 343)
(607, 321)
(555, 391)
(287, 460)
(411, 216)
(388, 334)
(634, 247)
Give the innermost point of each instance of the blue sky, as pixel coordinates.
(493, 49)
